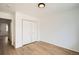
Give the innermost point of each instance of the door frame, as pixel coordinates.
(8, 22)
(22, 28)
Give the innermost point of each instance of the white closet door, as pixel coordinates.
(27, 32)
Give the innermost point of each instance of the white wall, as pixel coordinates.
(5, 15)
(61, 29)
(18, 27)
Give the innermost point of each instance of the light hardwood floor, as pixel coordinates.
(38, 48)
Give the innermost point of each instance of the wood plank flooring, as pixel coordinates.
(38, 48)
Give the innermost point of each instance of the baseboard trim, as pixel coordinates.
(60, 46)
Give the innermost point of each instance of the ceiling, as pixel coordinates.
(33, 10)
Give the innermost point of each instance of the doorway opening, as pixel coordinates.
(5, 33)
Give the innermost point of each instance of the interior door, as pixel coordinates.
(27, 32)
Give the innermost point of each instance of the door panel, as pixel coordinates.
(34, 31)
(27, 32)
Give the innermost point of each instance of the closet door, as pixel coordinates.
(27, 32)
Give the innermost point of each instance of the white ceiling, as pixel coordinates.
(33, 10)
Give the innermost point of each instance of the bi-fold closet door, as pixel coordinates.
(29, 31)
